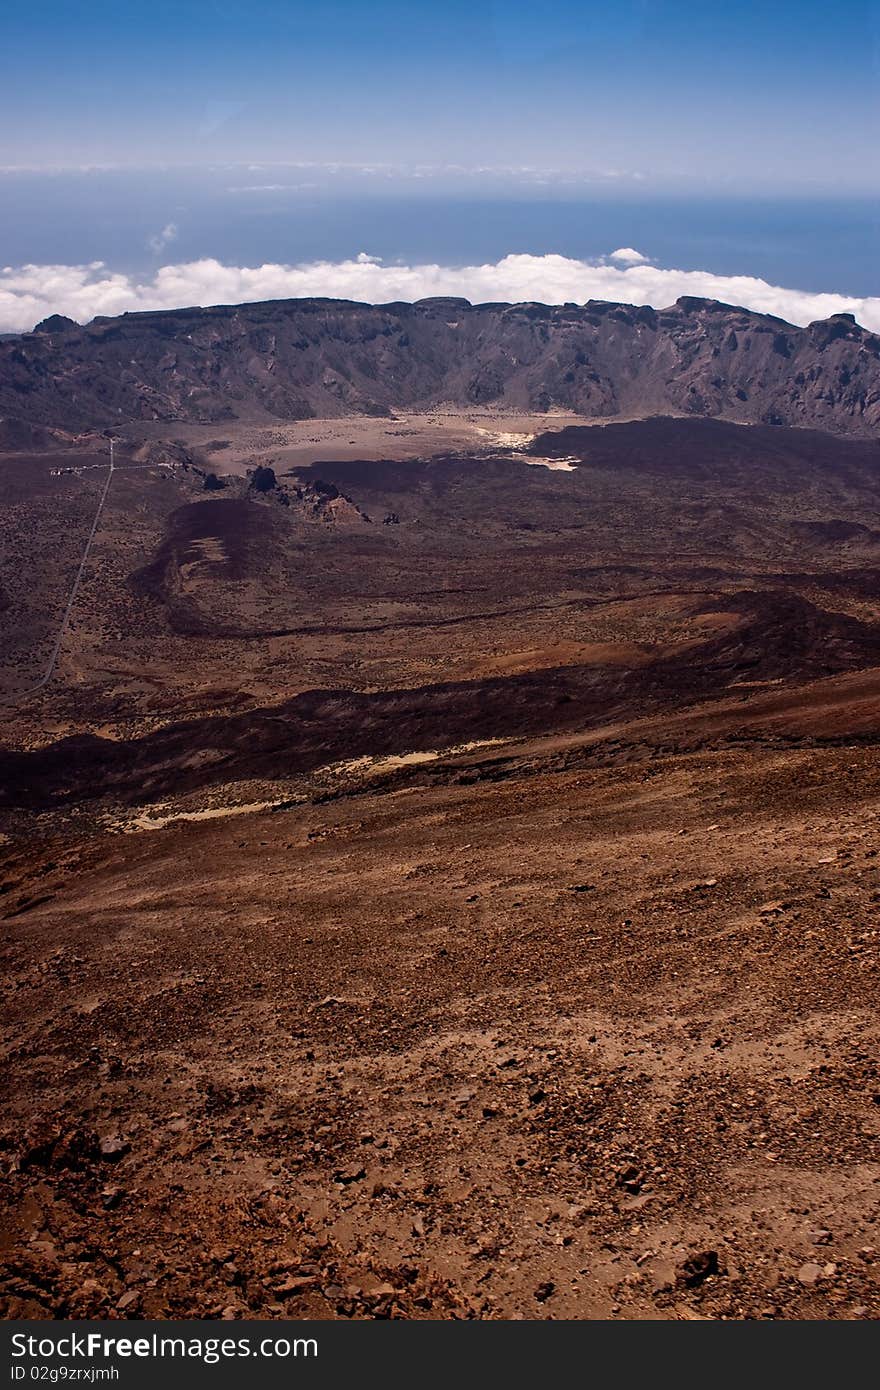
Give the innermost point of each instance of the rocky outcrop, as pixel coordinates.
(293, 359)
(55, 323)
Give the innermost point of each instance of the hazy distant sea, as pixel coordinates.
(812, 244)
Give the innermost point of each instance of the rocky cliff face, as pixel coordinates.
(293, 359)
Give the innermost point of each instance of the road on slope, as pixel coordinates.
(65, 619)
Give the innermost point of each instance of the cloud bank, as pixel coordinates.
(627, 255)
(31, 292)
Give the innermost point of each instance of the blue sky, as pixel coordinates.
(735, 139)
(746, 95)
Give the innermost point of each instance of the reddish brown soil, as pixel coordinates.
(577, 1022)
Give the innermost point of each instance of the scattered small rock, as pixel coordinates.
(630, 1178)
(349, 1175)
(697, 1268)
(294, 1284)
(113, 1148)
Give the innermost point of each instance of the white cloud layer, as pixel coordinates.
(627, 255)
(31, 292)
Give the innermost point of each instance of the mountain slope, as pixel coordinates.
(292, 359)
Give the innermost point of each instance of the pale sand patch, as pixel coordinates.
(286, 444)
(156, 817)
(377, 764)
(507, 439)
(150, 821)
(566, 465)
(517, 443)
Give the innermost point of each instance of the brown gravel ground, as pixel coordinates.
(522, 1036)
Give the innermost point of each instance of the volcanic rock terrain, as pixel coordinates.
(296, 359)
(440, 882)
